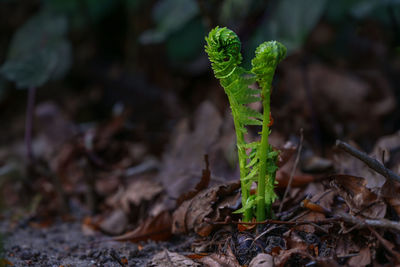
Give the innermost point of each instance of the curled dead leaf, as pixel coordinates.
(139, 191)
(362, 259)
(293, 257)
(168, 258)
(221, 260)
(156, 228)
(262, 260)
(115, 223)
(357, 196)
(191, 214)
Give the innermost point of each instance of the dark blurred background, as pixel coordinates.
(91, 60)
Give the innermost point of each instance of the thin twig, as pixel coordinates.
(359, 222)
(296, 162)
(372, 163)
(365, 223)
(30, 106)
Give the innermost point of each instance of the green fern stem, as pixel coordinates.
(263, 157)
(227, 83)
(242, 156)
(268, 55)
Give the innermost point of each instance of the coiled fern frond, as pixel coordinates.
(223, 49)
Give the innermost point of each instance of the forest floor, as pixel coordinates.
(119, 193)
(64, 244)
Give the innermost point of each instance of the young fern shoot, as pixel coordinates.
(257, 160)
(268, 56)
(223, 48)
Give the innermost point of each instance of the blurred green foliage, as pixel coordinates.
(290, 22)
(40, 50)
(169, 17)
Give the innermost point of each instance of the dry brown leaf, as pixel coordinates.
(283, 174)
(181, 165)
(299, 180)
(115, 223)
(191, 214)
(90, 226)
(362, 259)
(170, 259)
(345, 246)
(352, 97)
(386, 146)
(138, 191)
(286, 152)
(106, 185)
(357, 196)
(203, 184)
(294, 241)
(311, 216)
(197, 256)
(390, 247)
(155, 228)
(395, 203)
(302, 257)
(262, 260)
(221, 260)
(316, 164)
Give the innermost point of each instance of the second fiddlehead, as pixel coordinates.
(268, 56)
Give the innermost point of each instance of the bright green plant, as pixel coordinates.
(257, 160)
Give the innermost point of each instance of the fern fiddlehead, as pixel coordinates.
(268, 56)
(223, 48)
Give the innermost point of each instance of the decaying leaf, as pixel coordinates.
(115, 223)
(389, 149)
(315, 164)
(292, 257)
(155, 228)
(357, 196)
(388, 145)
(299, 180)
(386, 149)
(219, 260)
(191, 214)
(312, 216)
(362, 259)
(352, 97)
(170, 259)
(183, 161)
(286, 164)
(294, 241)
(285, 153)
(138, 191)
(180, 171)
(262, 260)
(390, 247)
(203, 184)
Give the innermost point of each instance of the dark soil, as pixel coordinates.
(64, 244)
